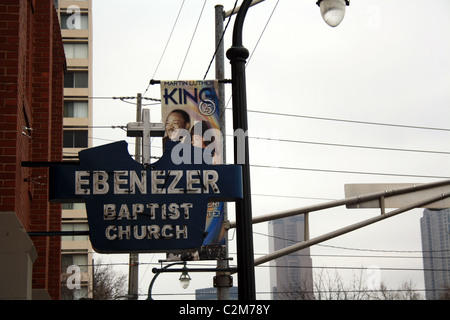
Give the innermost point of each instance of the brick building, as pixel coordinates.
(32, 65)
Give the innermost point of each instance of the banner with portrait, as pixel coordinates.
(190, 113)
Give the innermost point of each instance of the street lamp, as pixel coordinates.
(332, 12)
(185, 279)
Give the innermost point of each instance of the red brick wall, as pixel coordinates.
(56, 152)
(32, 67)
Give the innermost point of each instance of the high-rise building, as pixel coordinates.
(290, 275)
(76, 28)
(435, 230)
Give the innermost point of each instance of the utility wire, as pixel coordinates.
(288, 196)
(351, 146)
(349, 121)
(321, 291)
(123, 98)
(105, 264)
(306, 116)
(257, 43)
(354, 268)
(220, 42)
(330, 170)
(262, 33)
(379, 250)
(192, 39)
(350, 172)
(298, 141)
(357, 249)
(165, 48)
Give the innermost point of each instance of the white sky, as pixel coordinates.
(387, 62)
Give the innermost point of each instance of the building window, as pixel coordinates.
(76, 50)
(75, 139)
(74, 21)
(76, 79)
(75, 109)
(68, 262)
(80, 260)
(74, 227)
(74, 206)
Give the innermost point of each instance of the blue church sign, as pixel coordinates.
(137, 208)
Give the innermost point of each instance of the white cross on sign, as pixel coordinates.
(145, 129)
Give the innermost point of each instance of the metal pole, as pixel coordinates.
(133, 274)
(236, 10)
(339, 232)
(223, 290)
(237, 55)
(346, 201)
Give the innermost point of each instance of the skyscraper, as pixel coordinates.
(435, 230)
(291, 275)
(76, 28)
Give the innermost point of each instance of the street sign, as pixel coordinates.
(137, 208)
(399, 199)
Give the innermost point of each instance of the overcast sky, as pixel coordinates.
(387, 63)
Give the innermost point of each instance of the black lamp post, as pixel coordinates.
(244, 230)
(184, 278)
(332, 12)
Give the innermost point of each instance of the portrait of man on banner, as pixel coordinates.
(191, 115)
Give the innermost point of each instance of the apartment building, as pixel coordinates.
(76, 29)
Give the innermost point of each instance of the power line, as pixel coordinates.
(352, 256)
(286, 266)
(165, 48)
(124, 98)
(349, 172)
(354, 268)
(192, 39)
(334, 171)
(301, 116)
(356, 249)
(262, 254)
(378, 250)
(288, 196)
(262, 33)
(95, 127)
(351, 145)
(306, 142)
(349, 121)
(219, 43)
(320, 291)
(325, 171)
(257, 43)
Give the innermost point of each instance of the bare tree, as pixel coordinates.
(333, 287)
(405, 292)
(108, 284)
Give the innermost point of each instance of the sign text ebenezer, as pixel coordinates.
(132, 208)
